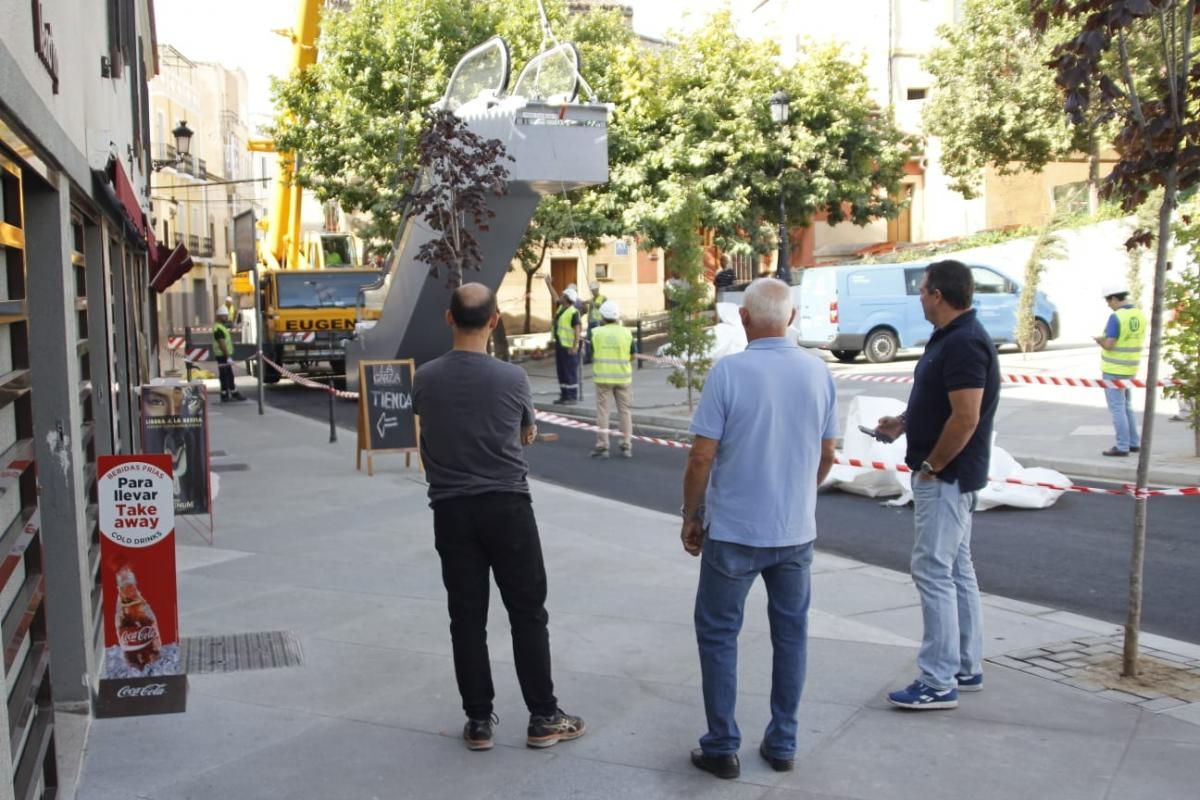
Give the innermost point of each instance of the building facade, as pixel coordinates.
(195, 198)
(893, 37)
(77, 336)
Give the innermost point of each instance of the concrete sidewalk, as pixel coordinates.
(1041, 426)
(346, 563)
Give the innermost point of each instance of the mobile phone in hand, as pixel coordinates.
(875, 434)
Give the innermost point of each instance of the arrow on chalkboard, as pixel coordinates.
(386, 422)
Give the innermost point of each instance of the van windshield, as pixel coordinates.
(322, 289)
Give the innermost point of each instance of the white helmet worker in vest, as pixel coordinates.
(1120, 353)
(566, 333)
(613, 376)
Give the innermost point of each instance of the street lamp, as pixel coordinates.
(183, 147)
(779, 115)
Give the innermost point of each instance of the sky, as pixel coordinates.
(237, 33)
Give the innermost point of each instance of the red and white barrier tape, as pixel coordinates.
(1033, 380)
(309, 382)
(1127, 489)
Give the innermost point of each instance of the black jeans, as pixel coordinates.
(225, 373)
(497, 532)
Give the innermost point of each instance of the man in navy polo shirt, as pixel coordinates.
(765, 432)
(949, 426)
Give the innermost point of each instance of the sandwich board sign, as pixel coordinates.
(387, 422)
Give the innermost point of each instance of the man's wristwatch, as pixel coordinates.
(927, 469)
(697, 515)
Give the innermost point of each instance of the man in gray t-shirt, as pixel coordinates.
(476, 414)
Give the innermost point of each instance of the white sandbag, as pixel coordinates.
(870, 482)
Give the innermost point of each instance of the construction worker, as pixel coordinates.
(595, 320)
(223, 351)
(1121, 351)
(613, 375)
(232, 310)
(566, 331)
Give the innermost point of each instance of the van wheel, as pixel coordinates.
(1041, 335)
(881, 346)
(845, 356)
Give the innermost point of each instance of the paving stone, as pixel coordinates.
(1162, 704)
(1036, 652)
(1084, 684)
(1124, 697)
(1059, 648)
(1046, 663)
(1088, 641)
(1008, 661)
(1096, 650)
(1042, 672)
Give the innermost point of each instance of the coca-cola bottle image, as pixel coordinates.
(137, 627)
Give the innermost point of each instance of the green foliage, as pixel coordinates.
(687, 329)
(994, 102)
(698, 116)
(1181, 339)
(1047, 247)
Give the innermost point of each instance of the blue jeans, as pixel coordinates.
(727, 571)
(1120, 405)
(945, 578)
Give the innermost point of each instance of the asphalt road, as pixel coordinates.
(1073, 556)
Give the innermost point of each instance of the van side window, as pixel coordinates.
(912, 280)
(988, 282)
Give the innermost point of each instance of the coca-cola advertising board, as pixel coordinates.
(141, 672)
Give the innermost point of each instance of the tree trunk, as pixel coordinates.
(500, 342)
(1093, 179)
(528, 297)
(1129, 667)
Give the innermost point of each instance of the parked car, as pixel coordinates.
(875, 309)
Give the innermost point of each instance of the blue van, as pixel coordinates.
(875, 309)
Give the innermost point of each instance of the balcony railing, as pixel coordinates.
(206, 247)
(193, 243)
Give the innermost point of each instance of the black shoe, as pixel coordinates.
(560, 401)
(1112, 451)
(478, 732)
(549, 731)
(237, 396)
(777, 764)
(727, 767)
(224, 397)
(1135, 449)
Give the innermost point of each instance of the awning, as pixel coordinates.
(175, 265)
(127, 196)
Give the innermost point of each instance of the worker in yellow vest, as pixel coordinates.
(1121, 352)
(613, 375)
(223, 352)
(594, 319)
(566, 331)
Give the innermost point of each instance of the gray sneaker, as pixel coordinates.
(549, 731)
(599, 452)
(626, 452)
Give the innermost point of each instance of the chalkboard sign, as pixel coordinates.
(386, 420)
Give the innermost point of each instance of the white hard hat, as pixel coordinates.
(571, 294)
(594, 285)
(1115, 288)
(610, 310)
(228, 298)
(222, 312)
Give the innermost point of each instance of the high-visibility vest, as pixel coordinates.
(222, 341)
(1127, 352)
(564, 326)
(594, 316)
(612, 345)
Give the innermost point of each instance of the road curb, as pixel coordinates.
(1074, 468)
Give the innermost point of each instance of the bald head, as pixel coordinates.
(767, 307)
(472, 306)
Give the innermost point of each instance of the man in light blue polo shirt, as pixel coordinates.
(765, 433)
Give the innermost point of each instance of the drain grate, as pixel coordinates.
(240, 651)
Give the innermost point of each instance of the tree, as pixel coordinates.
(1048, 246)
(702, 122)
(688, 332)
(1158, 145)
(455, 174)
(557, 219)
(994, 103)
